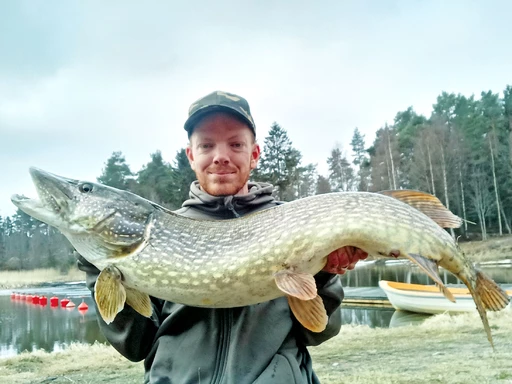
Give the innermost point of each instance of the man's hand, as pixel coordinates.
(344, 259)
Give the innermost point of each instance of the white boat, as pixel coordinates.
(427, 298)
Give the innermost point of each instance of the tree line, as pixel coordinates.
(461, 153)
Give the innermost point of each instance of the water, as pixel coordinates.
(368, 274)
(27, 326)
(366, 277)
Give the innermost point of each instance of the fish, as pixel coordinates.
(143, 249)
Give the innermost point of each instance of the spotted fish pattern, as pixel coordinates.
(146, 250)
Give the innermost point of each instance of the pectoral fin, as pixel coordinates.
(299, 285)
(428, 204)
(139, 301)
(429, 266)
(109, 293)
(310, 313)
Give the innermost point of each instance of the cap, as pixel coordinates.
(219, 101)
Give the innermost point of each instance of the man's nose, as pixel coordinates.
(221, 155)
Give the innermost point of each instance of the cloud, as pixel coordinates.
(83, 79)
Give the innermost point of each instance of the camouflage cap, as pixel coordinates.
(219, 101)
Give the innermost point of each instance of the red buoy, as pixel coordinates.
(22, 297)
(83, 306)
(54, 301)
(64, 302)
(35, 299)
(28, 298)
(13, 296)
(43, 300)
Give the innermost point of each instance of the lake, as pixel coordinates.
(27, 326)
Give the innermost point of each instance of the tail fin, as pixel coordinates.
(493, 297)
(475, 292)
(487, 296)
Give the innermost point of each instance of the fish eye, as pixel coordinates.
(85, 187)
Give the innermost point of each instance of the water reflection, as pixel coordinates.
(401, 318)
(26, 327)
(374, 317)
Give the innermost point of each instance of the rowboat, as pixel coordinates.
(427, 298)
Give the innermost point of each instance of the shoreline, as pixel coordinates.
(443, 349)
(30, 278)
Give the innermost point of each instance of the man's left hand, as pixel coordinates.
(344, 259)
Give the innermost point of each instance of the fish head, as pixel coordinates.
(95, 218)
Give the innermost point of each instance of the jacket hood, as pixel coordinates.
(259, 194)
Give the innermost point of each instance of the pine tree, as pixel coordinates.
(385, 160)
(341, 174)
(322, 185)
(361, 160)
(307, 182)
(154, 180)
(116, 173)
(507, 104)
(3, 237)
(358, 147)
(182, 176)
(279, 163)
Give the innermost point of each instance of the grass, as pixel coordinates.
(19, 279)
(443, 349)
(494, 249)
(79, 363)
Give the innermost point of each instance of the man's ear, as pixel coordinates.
(255, 155)
(190, 157)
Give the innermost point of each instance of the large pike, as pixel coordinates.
(144, 249)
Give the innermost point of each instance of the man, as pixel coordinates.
(261, 343)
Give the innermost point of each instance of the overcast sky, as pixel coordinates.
(81, 79)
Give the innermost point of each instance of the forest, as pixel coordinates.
(461, 153)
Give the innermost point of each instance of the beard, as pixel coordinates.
(223, 186)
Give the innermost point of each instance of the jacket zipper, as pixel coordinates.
(224, 339)
(225, 323)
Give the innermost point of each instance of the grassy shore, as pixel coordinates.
(443, 349)
(494, 249)
(20, 279)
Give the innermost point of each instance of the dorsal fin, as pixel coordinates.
(428, 204)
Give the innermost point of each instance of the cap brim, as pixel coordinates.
(198, 115)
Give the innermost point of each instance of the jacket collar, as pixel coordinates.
(259, 194)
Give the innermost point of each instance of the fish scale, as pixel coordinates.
(143, 249)
(273, 237)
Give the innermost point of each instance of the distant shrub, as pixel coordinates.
(13, 264)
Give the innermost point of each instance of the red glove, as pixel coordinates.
(344, 259)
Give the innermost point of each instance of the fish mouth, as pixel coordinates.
(54, 191)
(54, 194)
(23, 202)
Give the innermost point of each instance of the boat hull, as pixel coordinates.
(427, 298)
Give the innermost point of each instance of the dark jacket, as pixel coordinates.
(261, 343)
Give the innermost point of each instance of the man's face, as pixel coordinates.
(222, 153)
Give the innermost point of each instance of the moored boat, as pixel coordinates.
(427, 298)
